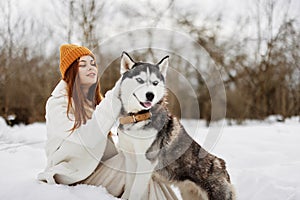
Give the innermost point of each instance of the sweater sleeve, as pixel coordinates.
(89, 134)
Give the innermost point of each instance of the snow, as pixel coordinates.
(263, 159)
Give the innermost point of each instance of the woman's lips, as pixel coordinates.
(91, 74)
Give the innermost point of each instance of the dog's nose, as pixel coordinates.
(149, 96)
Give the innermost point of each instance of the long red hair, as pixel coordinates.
(77, 101)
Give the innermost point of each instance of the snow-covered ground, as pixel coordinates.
(263, 159)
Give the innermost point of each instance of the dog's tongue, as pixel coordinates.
(147, 104)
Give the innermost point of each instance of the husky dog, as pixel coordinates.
(156, 144)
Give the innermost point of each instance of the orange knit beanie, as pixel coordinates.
(68, 54)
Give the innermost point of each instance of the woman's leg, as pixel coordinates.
(109, 174)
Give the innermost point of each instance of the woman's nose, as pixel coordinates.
(90, 67)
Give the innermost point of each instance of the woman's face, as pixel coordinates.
(87, 71)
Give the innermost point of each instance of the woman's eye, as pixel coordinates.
(155, 83)
(139, 80)
(82, 65)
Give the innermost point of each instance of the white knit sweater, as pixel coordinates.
(72, 157)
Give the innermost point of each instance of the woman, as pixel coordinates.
(77, 127)
(79, 147)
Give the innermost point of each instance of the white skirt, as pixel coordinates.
(114, 178)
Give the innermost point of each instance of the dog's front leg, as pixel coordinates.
(131, 168)
(143, 176)
(127, 148)
(144, 172)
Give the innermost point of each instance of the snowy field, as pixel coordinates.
(263, 159)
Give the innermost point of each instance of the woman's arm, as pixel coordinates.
(95, 129)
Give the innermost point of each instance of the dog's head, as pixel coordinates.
(142, 84)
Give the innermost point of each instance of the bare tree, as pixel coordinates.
(265, 77)
(23, 82)
(260, 69)
(81, 20)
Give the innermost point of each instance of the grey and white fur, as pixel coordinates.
(160, 147)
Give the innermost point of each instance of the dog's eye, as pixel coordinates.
(155, 83)
(139, 80)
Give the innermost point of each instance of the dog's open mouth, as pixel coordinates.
(146, 104)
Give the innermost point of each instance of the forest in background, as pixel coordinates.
(259, 58)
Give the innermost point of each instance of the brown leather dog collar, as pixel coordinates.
(133, 118)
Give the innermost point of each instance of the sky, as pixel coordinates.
(230, 9)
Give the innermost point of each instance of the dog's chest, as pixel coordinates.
(136, 137)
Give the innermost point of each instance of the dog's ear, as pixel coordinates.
(163, 65)
(126, 63)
